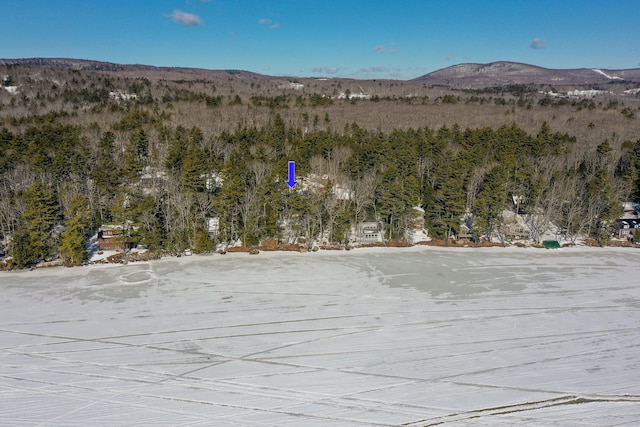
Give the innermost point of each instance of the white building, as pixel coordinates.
(368, 232)
(213, 225)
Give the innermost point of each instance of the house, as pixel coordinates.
(629, 222)
(213, 225)
(368, 232)
(465, 233)
(110, 237)
(342, 193)
(516, 231)
(626, 227)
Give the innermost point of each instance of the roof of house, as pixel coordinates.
(631, 222)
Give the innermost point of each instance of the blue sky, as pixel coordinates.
(334, 38)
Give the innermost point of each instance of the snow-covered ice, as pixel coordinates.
(417, 337)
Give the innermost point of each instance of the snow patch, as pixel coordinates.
(13, 90)
(606, 75)
(318, 183)
(361, 95)
(122, 96)
(291, 85)
(590, 93)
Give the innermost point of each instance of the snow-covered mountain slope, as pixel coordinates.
(505, 73)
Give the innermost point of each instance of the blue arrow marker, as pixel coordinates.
(292, 174)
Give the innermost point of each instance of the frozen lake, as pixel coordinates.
(415, 337)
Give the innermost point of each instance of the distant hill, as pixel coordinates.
(468, 75)
(513, 73)
(90, 65)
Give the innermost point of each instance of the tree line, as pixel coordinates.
(59, 183)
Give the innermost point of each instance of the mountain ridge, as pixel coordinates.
(95, 65)
(474, 75)
(463, 75)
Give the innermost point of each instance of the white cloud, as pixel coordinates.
(184, 18)
(376, 69)
(269, 23)
(379, 72)
(383, 49)
(537, 43)
(325, 70)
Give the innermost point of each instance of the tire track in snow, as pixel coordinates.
(519, 407)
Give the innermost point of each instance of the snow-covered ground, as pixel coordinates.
(607, 75)
(13, 90)
(370, 337)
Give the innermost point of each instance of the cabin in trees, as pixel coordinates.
(112, 237)
(516, 231)
(465, 233)
(626, 227)
(212, 224)
(368, 232)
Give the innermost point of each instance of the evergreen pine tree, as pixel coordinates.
(178, 146)
(135, 155)
(39, 217)
(21, 251)
(491, 201)
(72, 240)
(105, 173)
(194, 170)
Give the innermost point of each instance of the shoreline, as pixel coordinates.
(322, 253)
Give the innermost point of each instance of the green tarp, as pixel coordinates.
(551, 244)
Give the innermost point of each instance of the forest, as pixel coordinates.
(81, 150)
